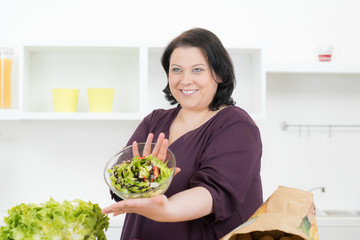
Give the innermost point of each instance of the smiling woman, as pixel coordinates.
(211, 55)
(190, 79)
(217, 146)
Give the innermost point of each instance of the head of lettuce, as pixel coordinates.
(55, 221)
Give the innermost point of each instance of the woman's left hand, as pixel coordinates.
(153, 208)
(187, 205)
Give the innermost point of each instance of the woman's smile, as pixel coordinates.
(188, 92)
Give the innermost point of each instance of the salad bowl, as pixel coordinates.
(132, 177)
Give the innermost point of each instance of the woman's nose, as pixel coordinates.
(187, 78)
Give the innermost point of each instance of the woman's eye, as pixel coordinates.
(175, 70)
(197, 70)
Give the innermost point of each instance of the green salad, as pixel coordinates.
(139, 174)
(76, 220)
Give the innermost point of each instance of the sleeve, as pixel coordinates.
(228, 166)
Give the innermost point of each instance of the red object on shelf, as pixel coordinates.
(324, 57)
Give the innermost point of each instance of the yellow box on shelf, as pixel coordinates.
(65, 99)
(100, 99)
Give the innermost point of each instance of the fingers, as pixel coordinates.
(158, 144)
(163, 150)
(160, 148)
(107, 210)
(177, 170)
(128, 206)
(152, 208)
(148, 143)
(117, 208)
(135, 149)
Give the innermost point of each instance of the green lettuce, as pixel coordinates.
(139, 175)
(55, 221)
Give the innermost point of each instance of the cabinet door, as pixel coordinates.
(113, 233)
(341, 232)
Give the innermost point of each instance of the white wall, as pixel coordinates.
(39, 159)
(311, 157)
(61, 159)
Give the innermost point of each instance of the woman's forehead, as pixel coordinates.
(188, 56)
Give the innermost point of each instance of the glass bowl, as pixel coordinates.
(126, 155)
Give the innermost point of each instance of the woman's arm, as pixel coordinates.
(186, 205)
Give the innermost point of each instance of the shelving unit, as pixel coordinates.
(314, 68)
(134, 70)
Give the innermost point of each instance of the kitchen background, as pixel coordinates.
(65, 158)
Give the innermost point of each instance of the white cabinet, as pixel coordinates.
(335, 228)
(82, 67)
(339, 232)
(133, 70)
(323, 94)
(113, 233)
(115, 227)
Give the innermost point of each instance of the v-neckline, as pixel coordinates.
(167, 132)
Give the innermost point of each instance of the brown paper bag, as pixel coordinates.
(288, 212)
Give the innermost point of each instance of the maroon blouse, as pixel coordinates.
(223, 156)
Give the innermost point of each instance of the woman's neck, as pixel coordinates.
(188, 120)
(195, 118)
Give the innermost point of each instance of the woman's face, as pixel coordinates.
(190, 79)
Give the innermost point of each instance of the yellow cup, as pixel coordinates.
(65, 99)
(101, 99)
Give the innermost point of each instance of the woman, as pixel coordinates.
(216, 144)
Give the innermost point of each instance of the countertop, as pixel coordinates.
(323, 221)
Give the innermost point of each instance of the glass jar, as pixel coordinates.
(6, 60)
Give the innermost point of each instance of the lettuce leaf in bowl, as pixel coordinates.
(139, 174)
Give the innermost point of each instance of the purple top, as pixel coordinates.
(223, 156)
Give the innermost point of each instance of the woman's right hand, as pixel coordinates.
(159, 151)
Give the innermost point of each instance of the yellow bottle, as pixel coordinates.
(5, 77)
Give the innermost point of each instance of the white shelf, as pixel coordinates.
(314, 68)
(10, 114)
(16, 115)
(134, 70)
(80, 116)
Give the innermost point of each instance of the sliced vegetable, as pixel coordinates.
(156, 172)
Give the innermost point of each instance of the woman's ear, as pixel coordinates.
(216, 78)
